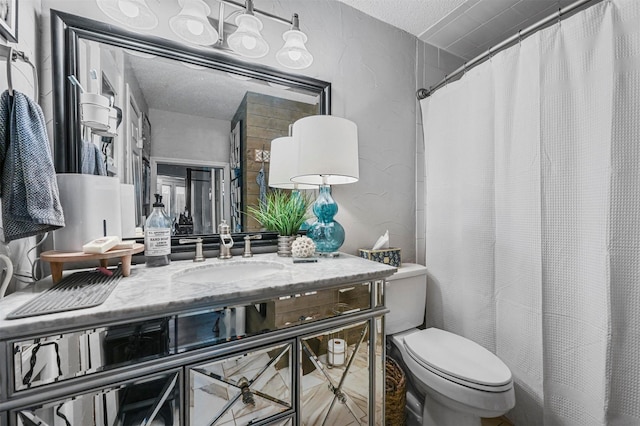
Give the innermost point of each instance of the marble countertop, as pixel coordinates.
(162, 290)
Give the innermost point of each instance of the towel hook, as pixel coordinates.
(13, 55)
(9, 69)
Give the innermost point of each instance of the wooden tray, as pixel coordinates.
(57, 259)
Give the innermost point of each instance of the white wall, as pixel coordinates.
(23, 81)
(374, 70)
(208, 138)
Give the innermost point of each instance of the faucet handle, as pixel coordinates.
(199, 257)
(247, 244)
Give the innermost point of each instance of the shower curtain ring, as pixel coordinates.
(559, 15)
(519, 37)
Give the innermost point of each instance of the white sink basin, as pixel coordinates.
(225, 273)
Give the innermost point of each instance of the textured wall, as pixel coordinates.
(371, 67)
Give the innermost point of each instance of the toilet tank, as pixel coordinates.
(405, 296)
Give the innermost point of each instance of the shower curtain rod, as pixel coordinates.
(424, 93)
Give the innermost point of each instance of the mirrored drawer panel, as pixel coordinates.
(242, 389)
(49, 359)
(208, 327)
(151, 401)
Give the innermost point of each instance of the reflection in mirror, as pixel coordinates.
(194, 125)
(147, 400)
(193, 193)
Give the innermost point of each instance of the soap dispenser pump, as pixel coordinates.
(157, 235)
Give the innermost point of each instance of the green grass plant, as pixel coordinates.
(283, 211)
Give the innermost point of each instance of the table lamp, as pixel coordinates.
(327, 155)
(283, 165)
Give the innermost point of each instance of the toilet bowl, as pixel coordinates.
(458, 380)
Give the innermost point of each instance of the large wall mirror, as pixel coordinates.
(194, 124)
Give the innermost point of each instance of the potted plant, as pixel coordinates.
(283, 212)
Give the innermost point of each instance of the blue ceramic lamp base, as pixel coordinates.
(327, 234)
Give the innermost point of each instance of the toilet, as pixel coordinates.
(456, 381)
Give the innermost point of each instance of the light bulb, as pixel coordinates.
(129, 8)
(295, 55)
(195, 27)
(249, 42)
(132, 13)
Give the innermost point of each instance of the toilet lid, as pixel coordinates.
(458, 359)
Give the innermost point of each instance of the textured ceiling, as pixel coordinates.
(413, 16)
(176, 87)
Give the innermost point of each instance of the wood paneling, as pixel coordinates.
(264, 118)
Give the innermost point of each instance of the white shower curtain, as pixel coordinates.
(533, 215)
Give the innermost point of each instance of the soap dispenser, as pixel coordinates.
(157, 235)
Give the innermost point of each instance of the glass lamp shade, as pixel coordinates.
(247, 40)
(282, 164)
(294, 53)
(327, 150)
(132, 13)
(192, 25)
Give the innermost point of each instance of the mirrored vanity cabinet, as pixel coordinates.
(301, 344)
(285, 351)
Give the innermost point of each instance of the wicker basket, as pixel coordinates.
(395, 394)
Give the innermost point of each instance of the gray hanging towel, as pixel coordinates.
(29, 191)
(92, 160)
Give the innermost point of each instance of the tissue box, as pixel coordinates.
(389, 256)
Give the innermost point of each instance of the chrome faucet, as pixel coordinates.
(226, 241)
(199, 257)
(247, 244)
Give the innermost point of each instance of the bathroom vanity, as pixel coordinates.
(241, 341)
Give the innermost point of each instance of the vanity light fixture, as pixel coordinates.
(294, 53)
(192, 25)
(327, 155)
(132, 13)
(247, 40)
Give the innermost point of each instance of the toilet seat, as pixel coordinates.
(459, 360)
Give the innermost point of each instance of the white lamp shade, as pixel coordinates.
(294, 53)
(247, 40)
(132, 13)
(192, 25)
(327, 150)
(283, 164)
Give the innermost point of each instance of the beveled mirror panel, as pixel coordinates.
(154, 400)
(242, 389)
(335, 376)
(182, 106)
